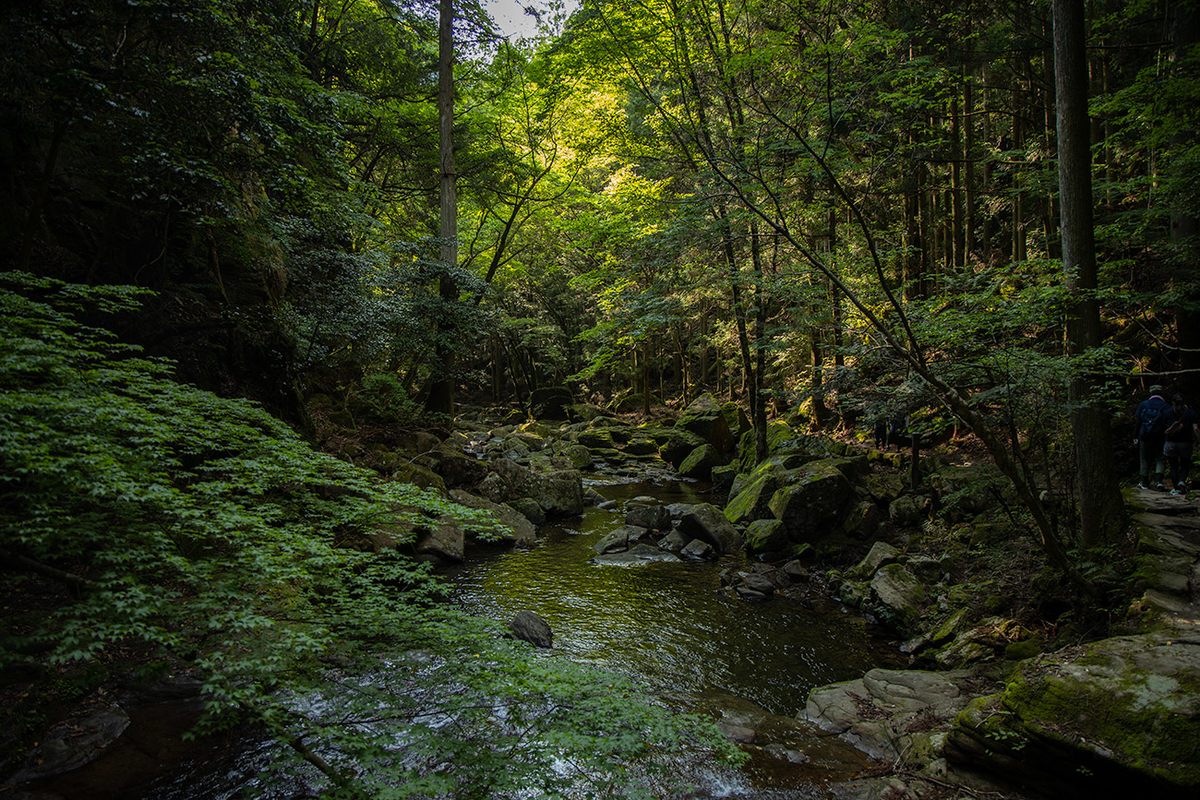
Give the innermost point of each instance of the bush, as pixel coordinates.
(183, 526)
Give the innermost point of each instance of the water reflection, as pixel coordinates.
(673, 627)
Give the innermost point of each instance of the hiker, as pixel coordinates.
(1182, 426)
(1149, 436)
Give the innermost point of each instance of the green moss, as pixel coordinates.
(1145, 719)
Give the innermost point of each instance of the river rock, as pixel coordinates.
(705, 419)
(759, 583)
(679, 446)
(460, 469)
(696, 548)
(72, 743)
(673, 541)
(909, 510)
(615, 541)
(753, 501)
(557, 492)
(638, 554)
(421, 477)
(896, 597)
(640, 446)
(700, 462)
(766, 536)
(550, 402)
(1124, 710)
(876, 712)
(531, 628)
(578, 456)
(707, 522)
(863, 520)
(653, 517)
(529, 508)
(443, 540)
(812, 506)
(518, 528)
(881, 554)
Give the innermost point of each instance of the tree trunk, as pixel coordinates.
(1101, 509)
(441, 390)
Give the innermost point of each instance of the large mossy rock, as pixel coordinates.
(766, 536)
(1123, 711)
(736, 419)
(700, 462)
(550, 402)
(680, 444)
(896, 597)
(753, 501)
(705, 419)
(880, 712)
(780, 437)
(558, 492)
(812, 506)
(443, 541)
(708, 523)
(520, 529)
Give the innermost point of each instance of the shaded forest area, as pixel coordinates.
(839, 214)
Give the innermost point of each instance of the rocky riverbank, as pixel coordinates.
(1014, 688)
(1011, 690)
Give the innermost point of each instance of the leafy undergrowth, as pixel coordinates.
(147, 522)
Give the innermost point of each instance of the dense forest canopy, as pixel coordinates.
(836, 212)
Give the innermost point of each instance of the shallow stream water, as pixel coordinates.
(673, 627)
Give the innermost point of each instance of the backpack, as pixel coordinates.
(1152, 420)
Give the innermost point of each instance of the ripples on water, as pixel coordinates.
(671, 627)
(675, 629)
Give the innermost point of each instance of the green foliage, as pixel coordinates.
(198, 528)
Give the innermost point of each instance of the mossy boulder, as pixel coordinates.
(679, 446)
(700, 462)
(1124, 711)
(880, 555)
(596, 439)
(812, 507)
(707, 522)
(766, 536)
(780, 437)
(896, 597)
(705, 419)
(578, 456)
(753, 501)
(736, 418)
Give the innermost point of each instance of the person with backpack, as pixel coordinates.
(1150, 436)
(1182, 426)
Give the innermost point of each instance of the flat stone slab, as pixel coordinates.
(878, 712)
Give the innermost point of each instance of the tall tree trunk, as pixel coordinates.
(441, 390)
(1185, 226)
(1100, 506)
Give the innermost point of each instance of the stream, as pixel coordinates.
(672, 627)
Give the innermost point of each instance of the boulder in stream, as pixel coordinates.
(707, 522)
(443, 540)
(531, 628)
(705, 419)
(636, 555)
(813, 505)
(519, 528)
